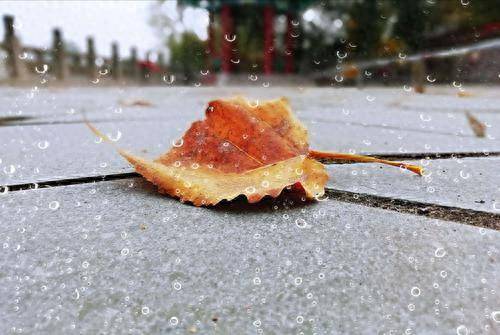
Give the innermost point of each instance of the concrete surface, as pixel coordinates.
(116, 256)
(470, 183)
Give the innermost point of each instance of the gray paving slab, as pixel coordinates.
(389, 107)
(116, 257)
(47, 152)
(470, 183)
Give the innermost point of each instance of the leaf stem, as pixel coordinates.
(324, 155)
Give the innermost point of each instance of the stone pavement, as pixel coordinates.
(88, 247)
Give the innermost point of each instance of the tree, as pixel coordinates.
(186, 55)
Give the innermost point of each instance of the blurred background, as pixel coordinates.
(251, 42)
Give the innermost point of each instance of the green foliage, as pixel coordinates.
(187, 54)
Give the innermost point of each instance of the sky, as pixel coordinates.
(126, 22)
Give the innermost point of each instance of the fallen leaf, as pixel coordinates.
(477, 126)
(464, 94)
(241, 148)
(135, 103)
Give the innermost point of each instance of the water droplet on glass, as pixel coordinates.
(415, 291)
(41, 70)
(204, 73)
(440, 252)
(495, 315)
(145, 310)
(43, 145)
(54, 205)
(10, 169)
(253, 77)
(174, 321)
(169, 79)
(430, 79)
(341, 55)
(230, 38)
(301, 223)
(23, 55)
(462, 330)
(116, 137)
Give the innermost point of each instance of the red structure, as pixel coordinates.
(223, 10)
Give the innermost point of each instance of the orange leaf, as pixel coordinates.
(241, 148)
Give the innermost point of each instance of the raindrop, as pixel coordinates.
(462, 330)
(341, 56)
(370, 98)
(495, 315)
(266, 84)
(301, 223)
(253, 104)
(298, 281)
(179, 143)
(250, 190)
(425, 118)
(339, 78)
(76, 294)
(464, 2)
(253, 77)
(9, 169)
(430, 79)
(177, 286)
(124, 251)
(96, 81)
(43, 145)
(415, 291)
(24, 55)
(54, 205)
(103, 72)
(300, 319)
(256, 281)
(295, 34)
(406, 88)
(174, 321)
(145, 310)
(115, 138)
(411, 307)
(402, 55)
(43, 70)
(169, 79)
(204, 73)
(235, 61)
(440, 252)
(464, 175)
(457, 85)
(230, 38)
(295, 22)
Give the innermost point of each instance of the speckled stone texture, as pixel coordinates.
(117, 257)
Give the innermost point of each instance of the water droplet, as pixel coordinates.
(177, 286)
(402, 55)
(495, 315)
(169, 79)
(298, 281)
(301, 223)
(10, 169)
(253, 77)
(370, 98)
(440, 252)
(145, 310)
(174, 321)
(425, 118)
(54, 205)
(415, 291)
(116, 137)
(95, 81)
(339, 78)
(103, 72)
(179, 143)
(430, 79)
(300, 319)
(43, 69)
(256, 281)
(235, 61)
(462, 330)
(340, 55)
(464, 175)
(124, 251)
(250, 190)
(43, 145)
(23, 55)
(230, 38)
(204, 73)
(76, 294)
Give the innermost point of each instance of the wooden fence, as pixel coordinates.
(23, 63)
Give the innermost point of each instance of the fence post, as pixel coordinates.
(91, 67)
(418, 75)
(134, 71)
(115, 62)
(59, 63)
(13, 49)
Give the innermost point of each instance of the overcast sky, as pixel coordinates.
(126, 22)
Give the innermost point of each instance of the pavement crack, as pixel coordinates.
(415, 156)
(67, 181)
(434, 211)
